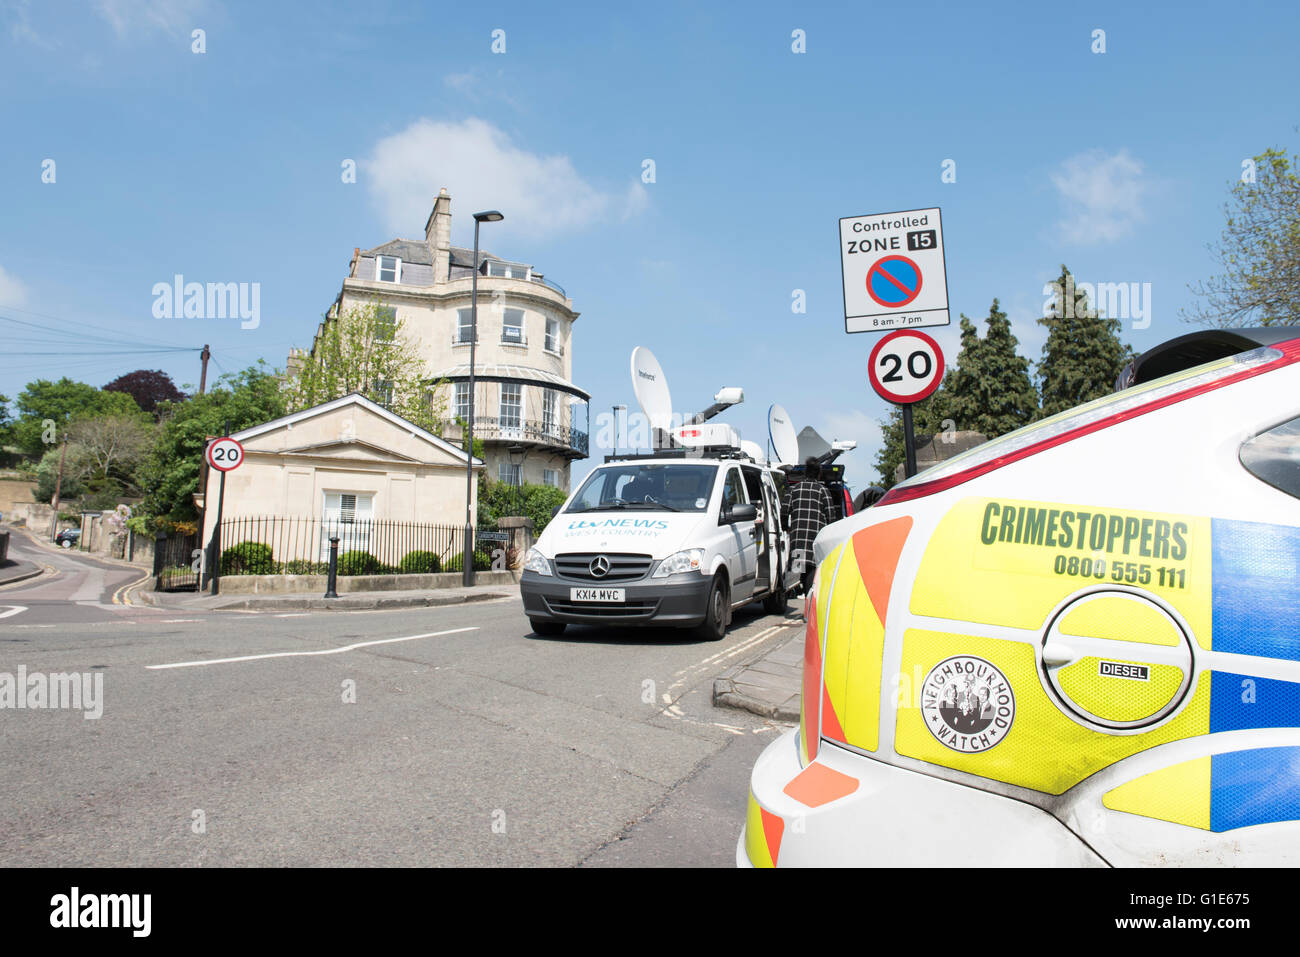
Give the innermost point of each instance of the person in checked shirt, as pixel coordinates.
(805, 508)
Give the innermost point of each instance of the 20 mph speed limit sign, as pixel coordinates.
(905, 367)
(224, 454)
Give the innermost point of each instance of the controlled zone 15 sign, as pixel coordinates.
(905, 367)
(224, 454)
(894, 271)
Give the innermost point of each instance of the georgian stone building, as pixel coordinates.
(533, 420)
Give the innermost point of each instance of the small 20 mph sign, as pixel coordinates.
(905, 367)
(225, 454)
(894, 271)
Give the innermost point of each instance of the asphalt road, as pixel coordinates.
(470, 741)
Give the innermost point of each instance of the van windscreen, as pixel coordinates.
(632, 485)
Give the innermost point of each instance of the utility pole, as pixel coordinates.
(58, 487)
(205, 355)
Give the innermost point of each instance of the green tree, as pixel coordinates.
(6, 422)
(1259, 250)
(170, 475)
(501, 499)
(46, 408)
(991, 391)
(1082, 356)
(366, 350)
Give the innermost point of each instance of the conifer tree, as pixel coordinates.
(1082, 356)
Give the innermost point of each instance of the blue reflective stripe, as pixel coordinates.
(1256, 590)
(1260, 786)
(1244, 701)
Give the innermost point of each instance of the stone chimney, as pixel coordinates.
(437, 233)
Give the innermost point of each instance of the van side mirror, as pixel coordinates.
(556, 511)
(735, 514)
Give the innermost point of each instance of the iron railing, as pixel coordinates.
(300, 545)
(495, 428)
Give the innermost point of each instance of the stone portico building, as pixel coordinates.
(533, 420)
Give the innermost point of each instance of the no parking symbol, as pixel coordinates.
(894, 281)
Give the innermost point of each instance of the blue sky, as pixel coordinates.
(225, 166)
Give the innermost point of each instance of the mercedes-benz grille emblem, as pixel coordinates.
(599, 567)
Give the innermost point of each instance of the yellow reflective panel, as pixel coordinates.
(1027, 741)
(839, 633)
(1112, 616)
(755, 838)
(1116, 690)
(1007, 562)
(1180, 794)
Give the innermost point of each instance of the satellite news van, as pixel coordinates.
(679, 537)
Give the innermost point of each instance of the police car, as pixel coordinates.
(676, 538)
(1077, 644)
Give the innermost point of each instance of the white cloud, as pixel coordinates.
(12, 291)
(483, 169)
(175, 17)
(18, 16)
(1102, 194)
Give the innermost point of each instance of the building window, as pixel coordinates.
(464, 325)
(510, 474)
(492, 267)
(552, 335)
(383, 392)
(346, 515)
(512, 401)
(551, 477)
(385, 324)
(460, 401)
(548, 412)
(512, 326)
(388, 269)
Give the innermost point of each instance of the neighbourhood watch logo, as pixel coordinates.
(214, 300)
(967, 703)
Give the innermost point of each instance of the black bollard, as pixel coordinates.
(330, 590)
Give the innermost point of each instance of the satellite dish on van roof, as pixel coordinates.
(781, 431)
(650, 386)
(753, 450)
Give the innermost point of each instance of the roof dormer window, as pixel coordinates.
(388, 269)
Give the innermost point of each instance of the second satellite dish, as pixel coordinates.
(651, 388)
(781, 431)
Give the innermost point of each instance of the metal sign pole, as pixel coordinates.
(909, 443)
(215, 575)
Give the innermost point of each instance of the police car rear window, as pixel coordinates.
(1274, 457)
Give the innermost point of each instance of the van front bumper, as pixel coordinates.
(887, 816)
(675, 601)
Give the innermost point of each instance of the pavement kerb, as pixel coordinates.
(13, 576)
(350, 602)
(727, 692)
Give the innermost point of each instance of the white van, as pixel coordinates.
(661, 540)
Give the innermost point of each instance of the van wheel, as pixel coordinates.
(546, 628)
(716, 611)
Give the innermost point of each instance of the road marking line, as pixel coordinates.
(294, 614)
(119, 596)
(175, 621)
(13, 610)
(308, 654)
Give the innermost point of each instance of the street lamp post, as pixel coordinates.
(467, 569)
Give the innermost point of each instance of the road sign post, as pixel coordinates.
(905, 367)
(225, 455)
(894, 271)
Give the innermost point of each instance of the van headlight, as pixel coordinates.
(535, 561)
(691, 560)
